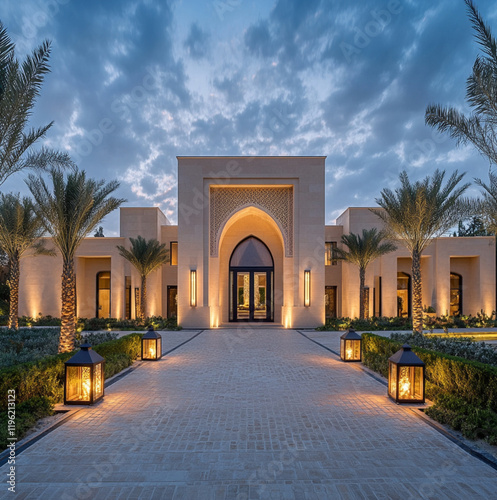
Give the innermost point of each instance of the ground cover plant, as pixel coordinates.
(32, 344)
(91, 324)
(38, 385)
(480, 320)
(464, 392)
(463, 347)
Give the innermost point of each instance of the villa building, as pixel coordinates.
(251, 244)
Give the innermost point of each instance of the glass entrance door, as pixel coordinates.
(251, 295)
(243, 296)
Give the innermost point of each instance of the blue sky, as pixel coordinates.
(135, 83)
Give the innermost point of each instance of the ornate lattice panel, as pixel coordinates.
(275, 201)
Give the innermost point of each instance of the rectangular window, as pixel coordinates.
(127, 296)
(328, 253)
(330, 301)
(172, 301)
(173, 253)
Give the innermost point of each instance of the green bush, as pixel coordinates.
(463, 347)
(32, 344)
(40, 384)
(472, 421)
(374, 324)
(449, 379)
(27, 414)
(45, 378)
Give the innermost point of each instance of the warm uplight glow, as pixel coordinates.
(193, 288)
(349, 353)
(307, 288)
(151, 351)
(287, 319)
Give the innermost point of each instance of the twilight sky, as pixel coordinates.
(136, 82)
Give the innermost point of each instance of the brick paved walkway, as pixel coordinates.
(248, 415)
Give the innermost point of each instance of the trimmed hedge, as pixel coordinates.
(471, 384)
(27, 414)
(41, 383)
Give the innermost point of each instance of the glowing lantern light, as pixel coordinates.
(351, 346)
(406, 377)
(151, 345)
(84, 377)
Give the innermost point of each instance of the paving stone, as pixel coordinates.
(277, 418)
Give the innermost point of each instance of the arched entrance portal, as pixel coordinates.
(251, 281)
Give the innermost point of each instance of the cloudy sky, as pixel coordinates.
(136, 82)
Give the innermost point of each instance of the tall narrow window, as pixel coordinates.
(137, 302)
(173, 253)
(127, 296)
(330, 300)
(329, 247)
(172, 301)
(103, 294)
(403, 295)
(455, 294)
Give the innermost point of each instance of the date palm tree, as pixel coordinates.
(146, 256)
(479, 128)
(70, 210)
(415, 214)
(20, 228)
(361, 251)
(20, 85)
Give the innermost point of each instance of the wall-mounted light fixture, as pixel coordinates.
(307, 288)
(193, 288)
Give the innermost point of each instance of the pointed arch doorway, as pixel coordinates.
(251, 281)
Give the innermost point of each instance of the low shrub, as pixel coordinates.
(93, 324)
(480, 320)
(26, 345)
(27, 414)
(44, 379)
(158, 322)
(21, 346)
(449, 378)
(463, 347)
(472, 421)
(95, 338)
(372, 324)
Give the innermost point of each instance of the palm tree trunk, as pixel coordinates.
(143, 299)
(68, 312)
(362, 295)
(15, 271)
(417, 303)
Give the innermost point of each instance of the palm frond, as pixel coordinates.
(145, 255)
(72, 207)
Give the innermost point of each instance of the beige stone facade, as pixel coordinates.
(250, 245)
